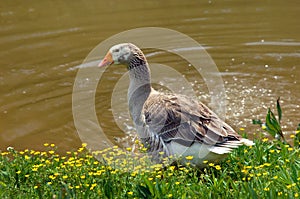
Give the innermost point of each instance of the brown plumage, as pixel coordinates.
(171, 123)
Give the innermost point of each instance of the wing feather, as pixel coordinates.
(183, 120)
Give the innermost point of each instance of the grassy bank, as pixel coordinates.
(266, 170)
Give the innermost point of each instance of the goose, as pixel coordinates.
(171, 125)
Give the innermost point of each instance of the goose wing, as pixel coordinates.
(177, 118)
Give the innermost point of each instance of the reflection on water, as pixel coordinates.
(43, 44)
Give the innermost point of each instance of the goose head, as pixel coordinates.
(125, 53)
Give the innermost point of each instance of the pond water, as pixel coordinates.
(255, 44)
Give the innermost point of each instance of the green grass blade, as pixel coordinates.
(279, 111)
(269, 124)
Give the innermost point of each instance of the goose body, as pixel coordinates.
(171, 124)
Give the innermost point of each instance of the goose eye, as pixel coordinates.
(117, 50)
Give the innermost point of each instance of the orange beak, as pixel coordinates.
(107, 60)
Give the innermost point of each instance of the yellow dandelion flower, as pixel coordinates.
(290, 149)
(266, 189)
(34, 169)
(144, 149)
(218, 167)
(27, 176)
(189, 157)
(133, 174)
(272, 151)
(128, 149)
(267, 164)
(292, 136)
(77, 187)
(177, 183)
(52, 145)
(46, 144)
(242, 129)
(65, 177)
(130, 193)
(82, 177)
(265, 173)
(205, 161)
(277, 151)
(84, 144)
(258, 175)
(18, 172)
(113, 172)
(296, 195)
(35, 187)
(93, 186)
(49, 183)
(51, 152)
(211, 164)
(52, 177)
(265, 139)
(279, 193)
(170, 195)
(275, 177)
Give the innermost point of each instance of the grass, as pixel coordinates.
(270, 169)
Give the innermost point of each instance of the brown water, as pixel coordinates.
(256, 46)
